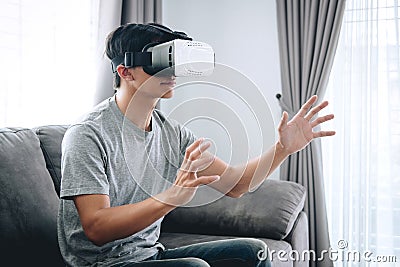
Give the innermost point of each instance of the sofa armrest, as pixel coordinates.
(298, 238)
(269, 212)
(28, 203)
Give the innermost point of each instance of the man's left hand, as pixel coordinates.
(298, 132)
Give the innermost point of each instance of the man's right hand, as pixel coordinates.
(187, 182)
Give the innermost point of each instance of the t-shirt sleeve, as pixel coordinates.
(83, 163)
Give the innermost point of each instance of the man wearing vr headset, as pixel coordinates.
(112, 203)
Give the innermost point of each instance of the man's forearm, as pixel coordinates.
(107, 224)
(260, 168)
(250, 175)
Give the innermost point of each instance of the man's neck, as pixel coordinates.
(137, 108)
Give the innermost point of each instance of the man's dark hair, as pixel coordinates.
(132, 38)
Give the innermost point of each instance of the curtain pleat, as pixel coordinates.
(141, 11)
(308, 32)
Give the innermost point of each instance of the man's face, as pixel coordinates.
(154, 86)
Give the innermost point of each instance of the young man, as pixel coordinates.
(125, 166)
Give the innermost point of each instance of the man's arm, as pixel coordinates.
(293, 136)
(239, 179)
(102, 223)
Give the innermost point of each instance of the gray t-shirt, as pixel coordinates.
(107, 154)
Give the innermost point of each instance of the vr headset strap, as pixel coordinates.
(132, 59)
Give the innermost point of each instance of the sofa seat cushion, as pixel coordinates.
(268, 212)
(174, 240)
(28, 202)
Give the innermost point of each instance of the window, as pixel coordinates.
(47, 64)
(362, 163)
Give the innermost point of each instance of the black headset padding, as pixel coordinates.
(148, 68)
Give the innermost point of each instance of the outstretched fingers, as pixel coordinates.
(195, 154)
(323, 119)
(306, 106)
(193, 146)
(315, 110)
(195, 150)
(323, 134)
(193, 157)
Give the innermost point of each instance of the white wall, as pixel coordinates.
(244, 37)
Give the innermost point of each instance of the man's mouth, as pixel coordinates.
(169, 83)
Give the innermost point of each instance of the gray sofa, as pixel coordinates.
(30, 182)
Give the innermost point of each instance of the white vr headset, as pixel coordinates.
(178, 58)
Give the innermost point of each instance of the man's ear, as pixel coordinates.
(124, 73)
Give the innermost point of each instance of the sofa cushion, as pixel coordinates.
(28, 202)
(50, 141)
(268, 212)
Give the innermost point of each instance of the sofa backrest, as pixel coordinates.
(28, 202)
(50, 137)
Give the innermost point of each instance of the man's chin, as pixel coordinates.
(168, 94)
